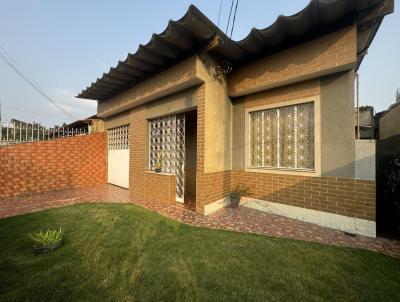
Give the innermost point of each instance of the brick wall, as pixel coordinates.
(163, 83)
(50, 165)
(160, 187)
(201, 200)
(145, 185)
(190, 184)
(298, 91)
(343, 196)
(335, 51)
(137, 158)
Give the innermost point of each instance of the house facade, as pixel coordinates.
(273, 112)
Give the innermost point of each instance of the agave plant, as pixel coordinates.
(50, 237)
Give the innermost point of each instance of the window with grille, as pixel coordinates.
(167, 144)
(282, 137)
(118, 138)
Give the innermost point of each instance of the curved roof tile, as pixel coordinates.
(189, 34)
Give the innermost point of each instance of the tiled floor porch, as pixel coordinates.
(241, 219)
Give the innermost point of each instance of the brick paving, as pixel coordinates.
(241, 219)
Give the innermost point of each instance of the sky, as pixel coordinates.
(65, 45)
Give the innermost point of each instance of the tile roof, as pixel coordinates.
(188, 35)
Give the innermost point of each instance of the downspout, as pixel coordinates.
(358, 106)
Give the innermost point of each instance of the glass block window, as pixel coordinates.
(118, 138)
(282, 137)
(167, 141)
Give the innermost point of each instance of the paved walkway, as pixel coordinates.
(241, 219)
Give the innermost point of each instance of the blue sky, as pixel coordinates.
(65, 45)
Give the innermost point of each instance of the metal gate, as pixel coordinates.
(118, 156)
(388, 186)
(167, 141)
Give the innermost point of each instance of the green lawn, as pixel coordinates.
(116, 252)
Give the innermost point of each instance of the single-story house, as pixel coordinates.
(91, 124)
(273, 112)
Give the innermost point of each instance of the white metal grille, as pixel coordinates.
(118, 138)
(167, 141)
(282, 137)
(16, 132)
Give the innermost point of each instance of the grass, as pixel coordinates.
(116, 252)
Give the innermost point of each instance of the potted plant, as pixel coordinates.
(45, 242)
(159, 162)
(237, 194)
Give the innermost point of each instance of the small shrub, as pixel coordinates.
(50, 237)
(241, 190)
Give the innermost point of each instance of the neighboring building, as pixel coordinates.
(92, 124)
(274, 111)
(389, 122)
(366, 122)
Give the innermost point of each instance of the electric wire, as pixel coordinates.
(234, 18)
(219, 13)
(229, 19)
(10, 62)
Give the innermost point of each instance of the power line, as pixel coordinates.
(24, 76)
(219, 13)
(29, 111)
(234, 18)
(229, 19)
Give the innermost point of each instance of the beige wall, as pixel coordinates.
(337, 125)
(389, 124)
(308, 91)
(118, 120)
(177, 102)
(218, 120)
(334, 135)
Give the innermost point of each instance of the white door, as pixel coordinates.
(118, 156)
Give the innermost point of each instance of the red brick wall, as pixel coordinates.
(50, 165)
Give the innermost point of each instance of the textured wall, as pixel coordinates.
(331, 53)
(174, 79)
(337, 125)
(55, 164)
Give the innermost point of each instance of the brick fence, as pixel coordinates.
(50, 165)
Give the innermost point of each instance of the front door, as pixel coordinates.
(118, 156)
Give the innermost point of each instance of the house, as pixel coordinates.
(91, 124)
(364, 119)
(389, 125)
(274, 112)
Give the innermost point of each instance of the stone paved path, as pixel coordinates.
(241, 219)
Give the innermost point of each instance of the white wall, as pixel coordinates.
(118, 167)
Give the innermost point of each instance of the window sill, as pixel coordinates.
(287, 171)
(160, 173)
